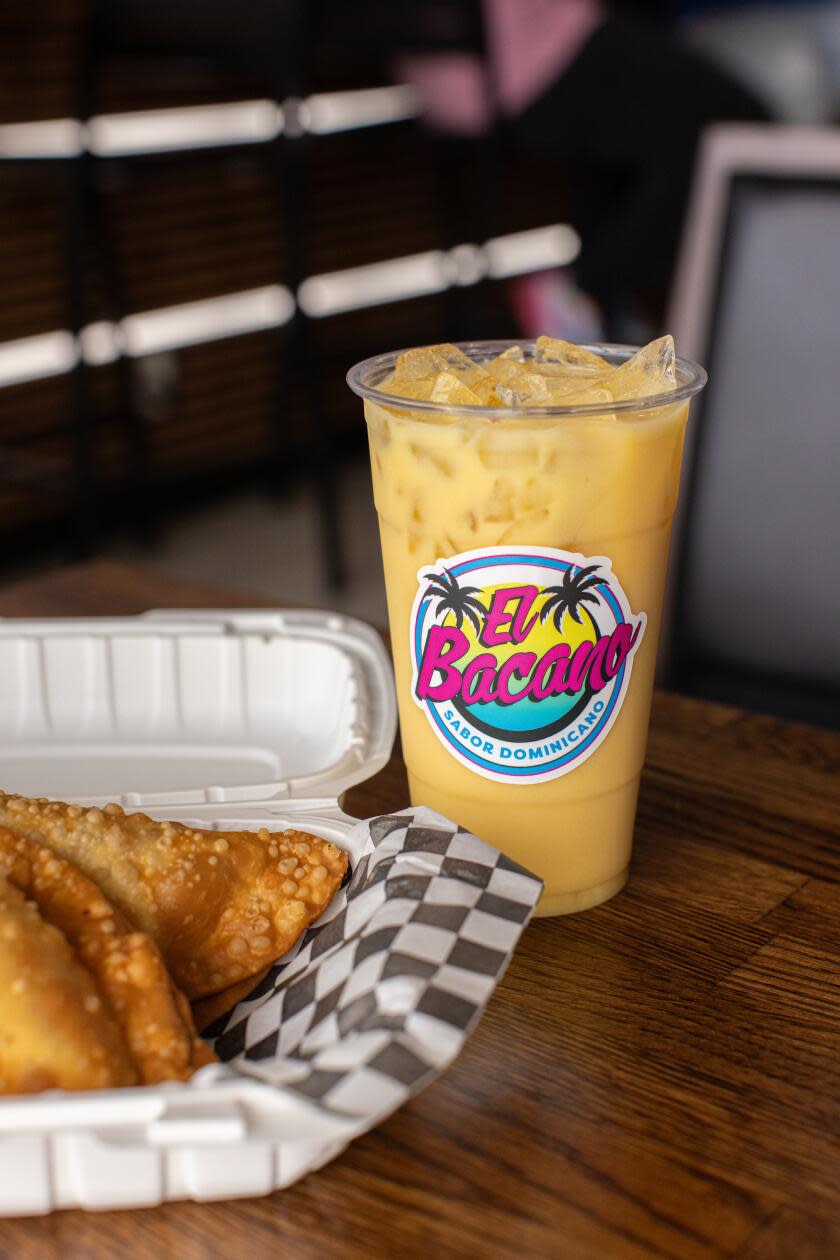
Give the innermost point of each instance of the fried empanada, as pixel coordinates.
(154, 1018)
(208, 1009)
(55, 1030)
(220, 904)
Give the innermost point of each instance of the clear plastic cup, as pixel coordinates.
(525, 554)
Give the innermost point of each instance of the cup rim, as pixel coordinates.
(691, 379)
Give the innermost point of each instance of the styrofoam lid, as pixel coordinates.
(182, 708)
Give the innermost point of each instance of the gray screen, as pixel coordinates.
(762, 583)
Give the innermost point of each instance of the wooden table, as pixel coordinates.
(656, 1078)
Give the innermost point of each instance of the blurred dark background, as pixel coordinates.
(209, 211)
(97, 238)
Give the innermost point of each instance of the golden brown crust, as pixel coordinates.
(126, 966)
(221, 905)
(56, 1031)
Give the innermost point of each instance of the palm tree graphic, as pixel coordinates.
(576, 589)
(459, 600)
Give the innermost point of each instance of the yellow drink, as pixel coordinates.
(552, 530)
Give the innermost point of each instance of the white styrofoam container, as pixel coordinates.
(227, 719)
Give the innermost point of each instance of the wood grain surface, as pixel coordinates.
(659, 1077)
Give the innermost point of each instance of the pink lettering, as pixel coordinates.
(549, 669)
(595, 664)
(519, 665)
(575, 676)
(502, 626)
(444, 645)
(492, 634)
(483, 670)
(612, 654)
(560, 671)
(519, 630)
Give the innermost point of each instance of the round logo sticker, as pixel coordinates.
(522, 657)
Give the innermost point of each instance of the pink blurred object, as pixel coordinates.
(531, 42)
(549, 303)
(453, 90)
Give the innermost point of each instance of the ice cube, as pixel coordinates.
(651, 371)
(551, 354)
(579, 395)
(499, 505)
(424, 455)
(449, 388)
(506, 455)
(420, 374)
(428, 361)
(417, 389)
(516, 384)
(485, 387)
(535, 496)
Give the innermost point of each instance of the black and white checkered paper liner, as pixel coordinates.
(380, 996)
